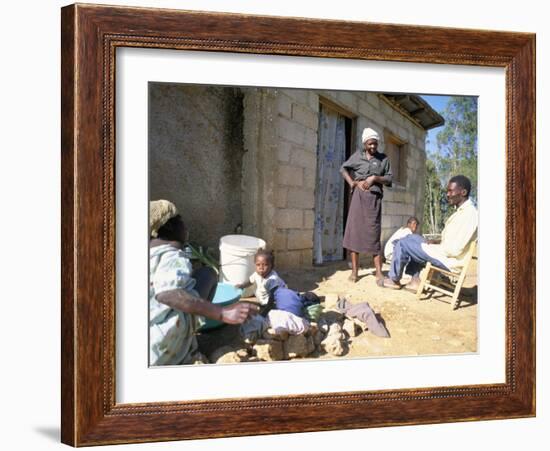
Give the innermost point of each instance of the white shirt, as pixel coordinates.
(399, 233)
(263, 286)
(459, 231)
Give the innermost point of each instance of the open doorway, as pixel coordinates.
(334, 146)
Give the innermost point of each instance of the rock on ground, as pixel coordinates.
(269, 350)
(297, 346)
(351, 328)
(225, 354)
(271, 334)
(218, 352)
(335, 329)
(242, 353)
(335, 341)
(334, 344)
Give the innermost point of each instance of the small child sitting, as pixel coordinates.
(291, 311)
(265, 278)
(293, 302)
(282, 309)
(402, 232)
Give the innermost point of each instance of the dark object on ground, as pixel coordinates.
(364, 313)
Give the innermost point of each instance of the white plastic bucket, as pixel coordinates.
(237, 258)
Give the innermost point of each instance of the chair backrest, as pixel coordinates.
(469, 254)
(465, 262)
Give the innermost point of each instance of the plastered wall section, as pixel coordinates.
(196, 154)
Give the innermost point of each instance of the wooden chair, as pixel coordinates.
(456, 279)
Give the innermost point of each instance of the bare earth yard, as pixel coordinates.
(417, 327)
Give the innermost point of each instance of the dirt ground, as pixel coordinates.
(417, 327)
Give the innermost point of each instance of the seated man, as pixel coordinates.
(413, 251)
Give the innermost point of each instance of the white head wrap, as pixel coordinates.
(160, 212)
(369, 133)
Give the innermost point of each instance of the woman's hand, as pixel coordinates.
(371, 179)
(238, 313)
(362, 185)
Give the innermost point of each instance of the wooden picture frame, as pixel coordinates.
(90, 36)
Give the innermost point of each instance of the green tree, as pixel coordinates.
(456, 154)
(457, 142)
(432, 204)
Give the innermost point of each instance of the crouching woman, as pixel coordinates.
(179, 298)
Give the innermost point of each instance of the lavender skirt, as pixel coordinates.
(363, 225)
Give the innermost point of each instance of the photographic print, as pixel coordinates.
(310, 224)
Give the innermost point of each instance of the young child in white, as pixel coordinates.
(265, 278)
(411, 227)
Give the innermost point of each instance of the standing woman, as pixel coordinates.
(370, 171)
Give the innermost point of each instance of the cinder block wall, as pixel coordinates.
(295, 117)
(296, 123)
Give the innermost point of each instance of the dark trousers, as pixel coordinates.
(409, 255)
(206, 282)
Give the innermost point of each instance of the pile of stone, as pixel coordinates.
(330, 335)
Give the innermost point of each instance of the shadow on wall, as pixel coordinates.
(195, 156)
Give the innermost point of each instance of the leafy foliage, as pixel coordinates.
(456, 154)
(204, 255)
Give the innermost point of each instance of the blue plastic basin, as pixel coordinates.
(226, 294)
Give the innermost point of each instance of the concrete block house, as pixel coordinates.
(265, 162)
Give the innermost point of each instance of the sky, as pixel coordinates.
(438, 103)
